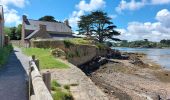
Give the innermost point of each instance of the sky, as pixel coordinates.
(135, 19)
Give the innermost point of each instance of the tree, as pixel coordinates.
(146, 40)
(18, 32)
(48, 18)
(7, 31)
(13, 33)
(85, 25)
(163, 41)
(98, 24)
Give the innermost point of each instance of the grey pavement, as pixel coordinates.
(13, 77)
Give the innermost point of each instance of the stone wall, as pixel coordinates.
(77, 54)
(81, 54)
(47, 43)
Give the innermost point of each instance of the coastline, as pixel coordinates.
(132, 80)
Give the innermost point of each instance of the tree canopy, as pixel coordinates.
(13, 32)
(98, 25)
(48, 18)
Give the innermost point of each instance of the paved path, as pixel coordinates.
(13, 77)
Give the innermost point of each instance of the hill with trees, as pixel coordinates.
(143, 44)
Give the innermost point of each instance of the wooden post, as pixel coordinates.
(37, 63)
(47, 80)
(33, 57)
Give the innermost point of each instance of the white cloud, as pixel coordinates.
(84, 7)
(11, 15)
(93, 5)
(132, 5)
(153, 31)
(160, 1)
(164, 17)
(136, 4)
(17, 3)
(74, 18)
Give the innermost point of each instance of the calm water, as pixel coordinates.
(161, 56)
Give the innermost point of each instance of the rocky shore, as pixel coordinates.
(134, 78)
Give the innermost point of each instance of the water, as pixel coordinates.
(160, 56)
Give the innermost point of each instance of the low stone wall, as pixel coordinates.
(76, 54)
(45, 43)
(20, 43)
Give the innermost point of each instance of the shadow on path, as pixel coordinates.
(13, 79)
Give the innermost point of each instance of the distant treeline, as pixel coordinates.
(143, 44)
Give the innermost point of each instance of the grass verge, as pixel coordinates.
(47, 61)
(4, 54)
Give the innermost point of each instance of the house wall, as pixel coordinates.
(1, 27)
(24, 18)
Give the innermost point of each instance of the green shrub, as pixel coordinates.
(77, 53)
(69, 54)
(77, 41)
(100, 46)
(58, 52)
(54, 85)
(67, 43)
(74, 84)
(59, 93)
(67, 87)
(4, 54)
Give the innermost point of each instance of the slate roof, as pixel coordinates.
(50, 26)
(32, 34)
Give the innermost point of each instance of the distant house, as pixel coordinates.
(1, 26)
(45, 30)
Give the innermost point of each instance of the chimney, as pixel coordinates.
(43, 27)
(66, 22)
(24, 18)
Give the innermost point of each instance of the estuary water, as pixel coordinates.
(160, 56)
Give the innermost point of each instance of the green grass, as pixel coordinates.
(47, 61)
(4, 54)
(100, 46)
(58, 93)
(77, 41)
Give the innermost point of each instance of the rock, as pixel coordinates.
(166, 74)
(124, 57)
(112, 92)
(102, 61)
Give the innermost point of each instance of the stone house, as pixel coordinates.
(1, 26)
(44, 30)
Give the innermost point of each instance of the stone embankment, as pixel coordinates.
(81, 86)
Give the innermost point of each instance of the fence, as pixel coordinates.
(39, 87)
